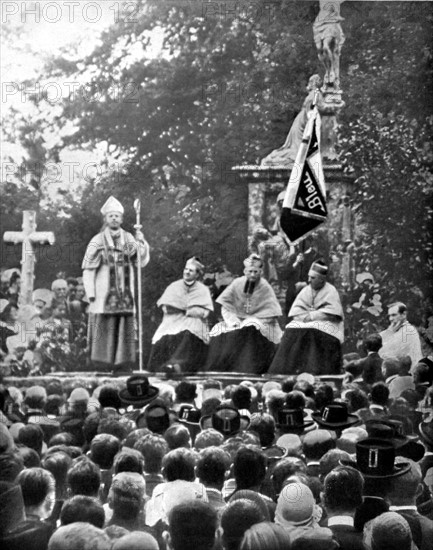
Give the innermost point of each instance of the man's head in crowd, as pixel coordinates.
(109, 397)
(132, 438)
(389, 531)
(241, 397)
(11, 464)
(305, 387)
(212, 467)
(84, 478)
(275, 401)
(77, 402)
(405, 365)
(179, 464)
(264, 426)
(35, 398)
(128, 460)
(153, 448)
(208, 438)
(177, 436)
(192, 526)
(79, 535)
(342, 491)
(236, 518)
(373, 342)
(82, 508)
(285, 468)
(59, 287)
(249, 468)
(379, 394)
(405, 489)
(324, 395)
(265, 536)
(186, 392)
(295, 400)
(32, 436)
(58, 464)
(30, 457)
(126, 496)
(38, 488)
(103, 449)
(355, 398)
(397, 315)
(316, 443)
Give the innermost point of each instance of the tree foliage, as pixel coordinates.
(222, 90)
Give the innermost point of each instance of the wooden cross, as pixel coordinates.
(29, 238)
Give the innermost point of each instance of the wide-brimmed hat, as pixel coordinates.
(156, 417)
(335, 416)
(138, 391)
(190, 416)
(226, 420)
(393, 431)
(375, 459)
(292, 420)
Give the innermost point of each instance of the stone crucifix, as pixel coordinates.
(29, 238)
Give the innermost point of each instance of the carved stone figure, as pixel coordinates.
(286, 155)
(329, 37)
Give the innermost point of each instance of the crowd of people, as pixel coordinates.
(176, 465)
(48, 335)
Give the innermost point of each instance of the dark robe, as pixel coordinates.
(313, 346)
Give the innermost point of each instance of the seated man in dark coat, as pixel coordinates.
(247, 338)
(312, 339)
(183, 335)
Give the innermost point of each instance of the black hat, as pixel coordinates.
(226, 420)
(138, 391)
(156, 417)
(392, 430)
(375, 459)
(292, 420)
(189, 416)
(335, 416)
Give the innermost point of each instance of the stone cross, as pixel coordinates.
(29, 238)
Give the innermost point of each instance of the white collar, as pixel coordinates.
(340, 520)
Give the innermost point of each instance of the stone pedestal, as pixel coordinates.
(333, 238)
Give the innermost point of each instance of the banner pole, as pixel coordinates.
(138, 226)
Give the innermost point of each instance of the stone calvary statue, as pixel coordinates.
(285, 156)
(329, 37)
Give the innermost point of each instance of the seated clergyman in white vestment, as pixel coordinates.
(182, 338)
(246, 339)
(313, 337)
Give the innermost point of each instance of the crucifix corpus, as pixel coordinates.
(29, 238)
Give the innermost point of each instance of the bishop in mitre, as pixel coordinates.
(108, 278)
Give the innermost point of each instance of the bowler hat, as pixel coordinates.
(335, 416)
(290, 420)
(226, 420)
(375, 459)
(138, 391)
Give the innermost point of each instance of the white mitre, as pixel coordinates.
(112, 205)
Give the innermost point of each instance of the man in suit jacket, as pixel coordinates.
(342, 494)
(369, 368)
(402, 495)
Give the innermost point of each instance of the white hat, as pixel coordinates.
(112, 205)
(3, 305)
(364, 276)
(319, 268)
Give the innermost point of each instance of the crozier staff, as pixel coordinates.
(108, 278)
